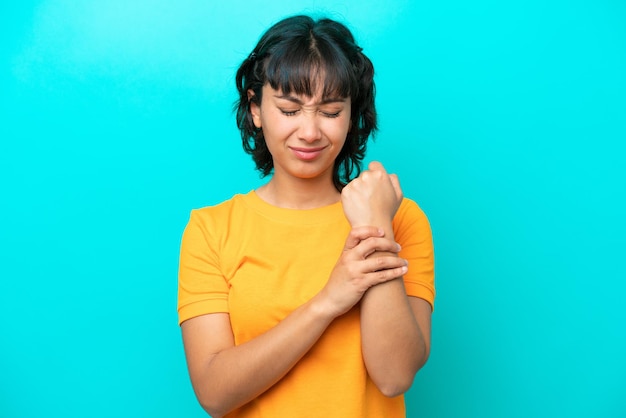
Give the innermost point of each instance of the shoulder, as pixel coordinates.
(412, 231)
(411, 222)
(409, 211)
(220, 211)
(214, 220)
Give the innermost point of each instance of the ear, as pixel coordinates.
(255, 109)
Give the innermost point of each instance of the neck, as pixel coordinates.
(299, 193)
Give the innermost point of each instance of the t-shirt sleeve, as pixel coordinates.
(412, 231)
(202, 288)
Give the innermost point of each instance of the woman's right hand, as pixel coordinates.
(354, 273)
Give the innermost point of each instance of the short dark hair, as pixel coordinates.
(290, 56)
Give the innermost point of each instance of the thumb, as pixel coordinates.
(358, 234)
(395, 182)
(376, 166)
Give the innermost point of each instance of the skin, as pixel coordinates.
(395, 328)
(291, 125)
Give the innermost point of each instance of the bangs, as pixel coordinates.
(307, 67)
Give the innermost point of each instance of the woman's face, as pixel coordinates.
(303, 134)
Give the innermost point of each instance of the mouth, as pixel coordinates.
(307, 154)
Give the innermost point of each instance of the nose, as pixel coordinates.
(309, 129)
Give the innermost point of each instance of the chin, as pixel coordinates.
(311, 173)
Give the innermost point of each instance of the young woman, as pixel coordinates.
(312, 295)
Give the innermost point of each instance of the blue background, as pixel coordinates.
(506, 121)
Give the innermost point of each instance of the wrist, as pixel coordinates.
(385, 225)
(322, 309)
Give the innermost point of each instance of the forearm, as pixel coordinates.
(238, 374)
(393, 346)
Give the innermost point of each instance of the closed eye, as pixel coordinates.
(289, 112)
(331, 115)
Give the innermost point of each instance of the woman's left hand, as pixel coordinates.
(372, 198)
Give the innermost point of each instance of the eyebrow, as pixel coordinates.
(298, 101)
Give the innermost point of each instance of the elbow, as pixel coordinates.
(213, 410)
(211, 399)
(211, 405)
(396, 384)
(394, 388)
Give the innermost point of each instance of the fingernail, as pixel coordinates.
(398, 247)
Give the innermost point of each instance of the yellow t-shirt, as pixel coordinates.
(259, 262)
